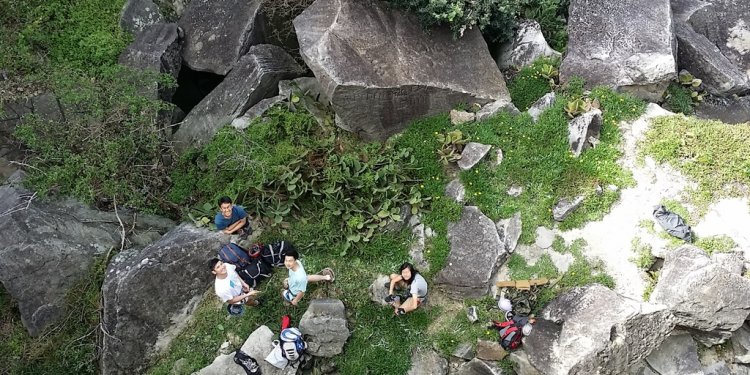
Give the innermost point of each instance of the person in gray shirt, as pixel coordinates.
(409, 279)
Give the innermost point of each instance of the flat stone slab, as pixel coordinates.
(472, 154)
(324, 326)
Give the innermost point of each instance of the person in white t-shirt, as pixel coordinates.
(229, 286)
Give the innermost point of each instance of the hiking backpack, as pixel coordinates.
(273, 253)
(292, 344)
(510, 334)
(253, 272)
(233, 254)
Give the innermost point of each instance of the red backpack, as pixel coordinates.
(510, 334)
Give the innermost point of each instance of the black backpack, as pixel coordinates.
(254, 272)
(273, 253)
(233, 254)
(248, 363)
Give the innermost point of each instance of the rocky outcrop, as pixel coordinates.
(255, 77)
(150, 294)
(378, 291)
(475, 254)
(527, 45)
(731, 110)
(219, 32)
(427, 362)
(741, 344)
(592, 330)
(509, 231)
(622, 44)
(678, 354)
(46, 247)
(702, 295)
(544, 103)
(157, 49)
(584, 131)
(479, 367)
(472, 154)
(521, 363)
(703, 57)
(726, 23)
(324, 327)
(136, 15)
(381, 70)
(493, 109)
(258, 345)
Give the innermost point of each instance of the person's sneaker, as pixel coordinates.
(285, 283)
(389, 298)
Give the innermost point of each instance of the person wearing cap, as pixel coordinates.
(295, 285)
(229, 286)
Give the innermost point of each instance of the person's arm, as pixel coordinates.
(394, 281)
(241, 297)
(236, 226)
(297, 298)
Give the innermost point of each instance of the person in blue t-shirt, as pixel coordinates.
(232, 219)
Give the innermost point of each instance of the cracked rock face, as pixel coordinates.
(592, 330)
(46, 247)
(324, 327)
(149, 295)
(621, 44)
(703, 295)
(381, 70)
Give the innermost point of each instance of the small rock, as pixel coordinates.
(464, 351)
(478, 367)
(455, 190)
(471, 314)
(612, 188)
(377, 290)
(473, 152)
(427, 362)
(741, 344)
(526, 45)
(599, 190)
(429, 233)
(678, 354)
(544, 237)
(583, 129)
(498, 158)
(416, 251)
(515, 191)
(492, 109)
(510, 231)
(565, 207)
(733, 262)
(461, 117)
(521, 363)
(541, 105)
(490, 350)
(719, 368)
(414, 221)
(224, 348)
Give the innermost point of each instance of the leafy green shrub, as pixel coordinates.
(552, 16)
(716, 244)
(286, 164)
(494, 17)
(677, 99)
(533, 82)
(107, 147)
(643, 258)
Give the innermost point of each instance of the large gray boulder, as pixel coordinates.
(626, 45)
(678, 354)
(427, 362)
(255, 77)
(475, 254)
(726, 23)
(704, 57)
(702, 295)
(219, 32)
(381, 70)
(157, 49)
(324, 327)
(591, 330)
(150, 294)
(258, 345)
(47, 246)
(730, 110)
(527, 45)
(136, 15)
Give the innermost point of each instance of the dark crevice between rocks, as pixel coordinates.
(193, 86)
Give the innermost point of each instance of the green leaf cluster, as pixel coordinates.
(533, 82)
(286, 164)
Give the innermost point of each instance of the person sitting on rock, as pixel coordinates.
(410, 278)
(295, 285)
(230, 288)
(232, 219)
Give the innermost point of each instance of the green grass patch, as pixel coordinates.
(537, 157)
(678, 99)
(68, 346)
(643, 258)
(716, 244)
(457, 329)
(652, 281)
(715, 155)
(531, 83)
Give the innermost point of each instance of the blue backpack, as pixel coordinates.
(233, 254)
